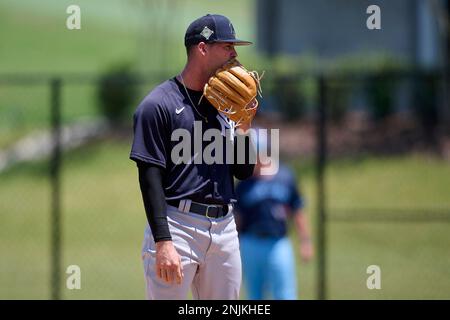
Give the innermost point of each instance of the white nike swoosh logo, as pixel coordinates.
(178, 111)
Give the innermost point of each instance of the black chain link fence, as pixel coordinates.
(370, 150)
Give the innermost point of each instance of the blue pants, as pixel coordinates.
(268, 267)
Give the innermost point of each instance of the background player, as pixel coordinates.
(265, 203)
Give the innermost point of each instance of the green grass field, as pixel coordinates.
(103, 222)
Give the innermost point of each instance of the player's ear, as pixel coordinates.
(202, 48)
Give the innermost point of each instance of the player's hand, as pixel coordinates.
(244, 127)
(306, 250)
(168, 262)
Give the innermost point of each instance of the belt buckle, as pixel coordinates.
(230, 207)
(207, 209)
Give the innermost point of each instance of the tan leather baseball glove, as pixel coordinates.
(232, 90)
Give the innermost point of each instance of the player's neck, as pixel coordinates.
(193, 78)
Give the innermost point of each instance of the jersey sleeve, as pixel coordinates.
(151, 134)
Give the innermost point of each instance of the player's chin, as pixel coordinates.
(212, 72)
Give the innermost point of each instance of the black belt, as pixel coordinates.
(207, 210)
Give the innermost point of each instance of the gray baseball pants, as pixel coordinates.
(210, 258)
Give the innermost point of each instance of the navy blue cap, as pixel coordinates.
(212, 28)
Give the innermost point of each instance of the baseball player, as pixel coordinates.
(265, 203)
(190, 241)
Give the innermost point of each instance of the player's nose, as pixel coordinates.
(233, 53)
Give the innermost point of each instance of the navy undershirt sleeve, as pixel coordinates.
(150, 181)
(245, 170)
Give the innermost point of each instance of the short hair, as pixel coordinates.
(189, 50)
(192, 46)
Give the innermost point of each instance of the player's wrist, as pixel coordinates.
(164, 243)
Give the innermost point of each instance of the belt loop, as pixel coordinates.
(187, 206)
(181, 205)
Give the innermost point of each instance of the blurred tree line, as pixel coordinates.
(373, 84)
(378, 78)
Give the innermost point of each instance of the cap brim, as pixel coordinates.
(236, 42)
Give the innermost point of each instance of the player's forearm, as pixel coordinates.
(150, 181)
(301, 223)
(244, 170)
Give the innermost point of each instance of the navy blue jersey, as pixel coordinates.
(163, 110)
(265, 203)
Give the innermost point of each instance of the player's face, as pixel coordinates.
(220, 53)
